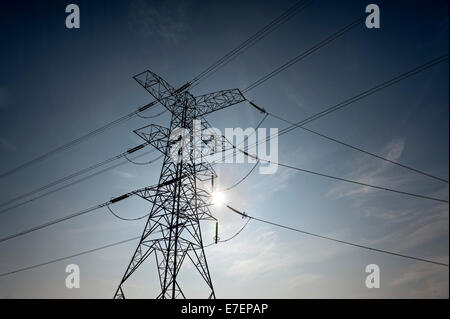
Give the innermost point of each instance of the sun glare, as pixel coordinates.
(218, 198)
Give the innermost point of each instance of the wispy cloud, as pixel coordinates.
(293, 95)
(281, 179)
(248, 259)
(166, 20)
(124, 174)
(421, 281)
(371, 172)
(419, 227)
(303, 279)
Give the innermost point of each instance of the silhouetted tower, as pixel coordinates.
(172, 231)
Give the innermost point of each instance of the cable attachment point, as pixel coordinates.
(137, 148)
(243, 214)
(118, 199)
(183, 88)
(143, 108)
(257, 107)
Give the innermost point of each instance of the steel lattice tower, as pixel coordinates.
(172, 231)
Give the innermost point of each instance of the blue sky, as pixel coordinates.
(56, 84)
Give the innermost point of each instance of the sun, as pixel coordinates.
(218, 198)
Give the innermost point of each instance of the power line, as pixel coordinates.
(232, 237)
(233, 53)
(336, 240)
(75, 174)
(75, 182)
(335, 177)
(340, 105)
(151, 116)
(266, 30)
(102, 248)
(361, 183)
(355, 98)
(123, 218)
(251, 134)
(77, 140)
(238, 232)
(349, 101)
(79, 213)
(306, 53)
(143, 163)
(68, 257)
(259, 35)
(53, 222)
(342, 179)
(241, 180)
(254, 166)
(297, 229)
(243, 215)
(374, 89)
(359, 149)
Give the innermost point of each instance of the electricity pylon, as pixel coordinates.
(172, 231)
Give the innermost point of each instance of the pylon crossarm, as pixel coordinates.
(157, 87)
(211, 102)
(155, 135)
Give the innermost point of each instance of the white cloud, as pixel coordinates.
(124, 174)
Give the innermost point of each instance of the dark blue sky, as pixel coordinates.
(56, 84)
